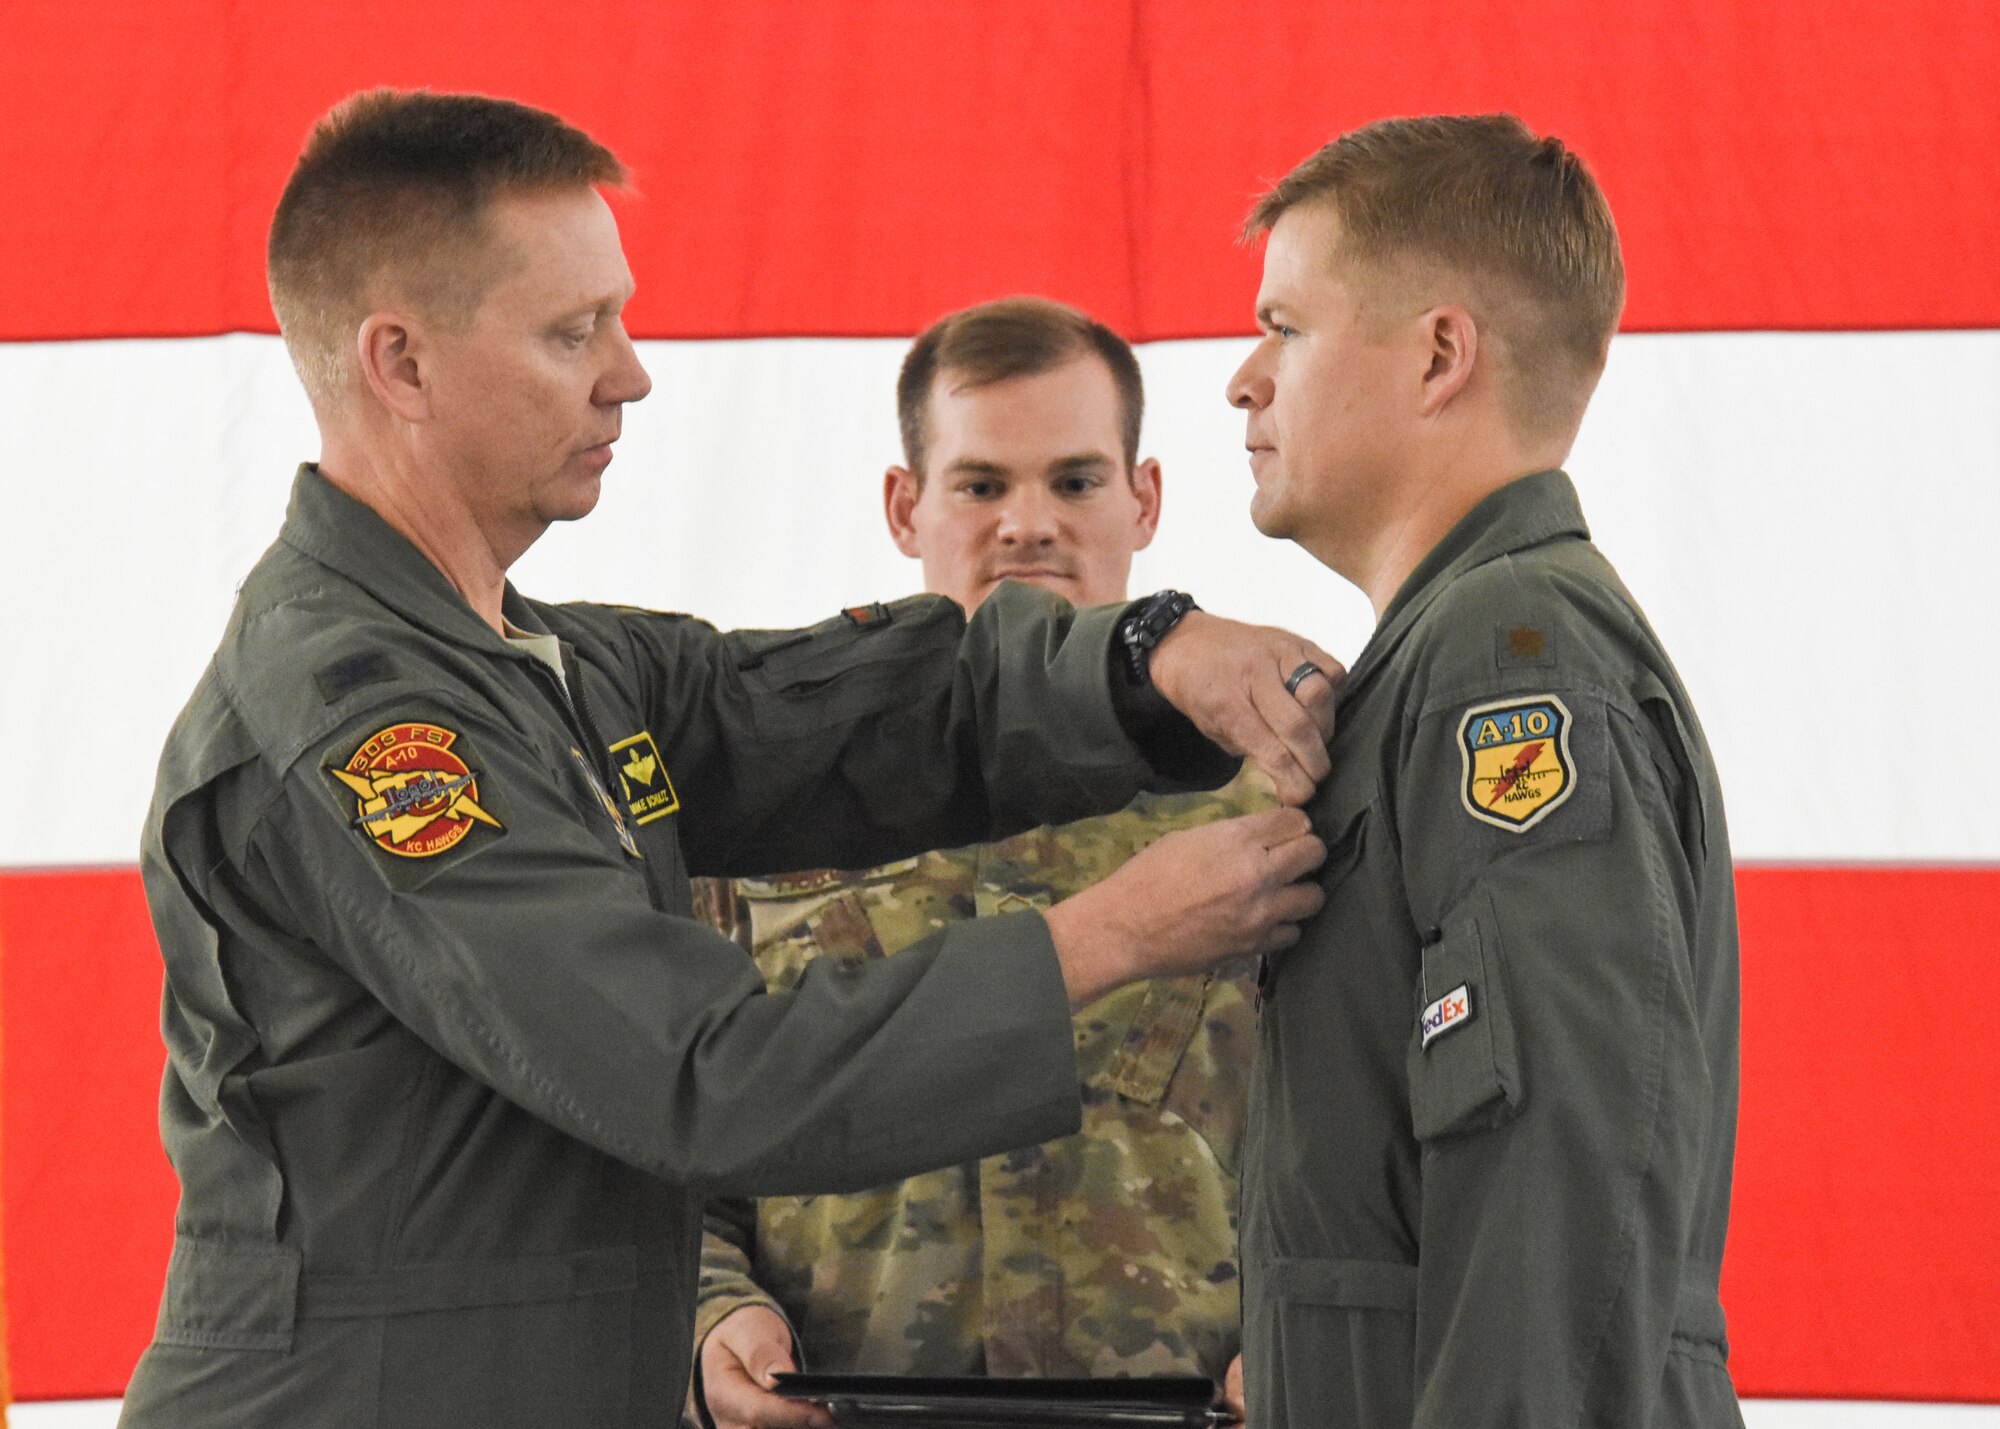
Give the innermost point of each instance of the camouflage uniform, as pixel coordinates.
(1109, 1252)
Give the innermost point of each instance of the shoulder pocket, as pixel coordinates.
(1465, 1070)
(858, 664)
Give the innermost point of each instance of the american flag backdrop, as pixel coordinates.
(1794, 460)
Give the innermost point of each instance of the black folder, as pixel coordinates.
(894, 1401)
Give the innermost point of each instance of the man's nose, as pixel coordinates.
(1028, 516)
(1250, 387)
(626, 379)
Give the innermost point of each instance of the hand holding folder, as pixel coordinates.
(887, 1401)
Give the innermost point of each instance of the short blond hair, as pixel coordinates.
(1516, 214)
(396, 184)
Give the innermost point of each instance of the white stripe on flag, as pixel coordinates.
(1808, 519)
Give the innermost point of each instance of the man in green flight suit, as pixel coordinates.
(1486, 1178)
(450, 1068)
(1112, 1251)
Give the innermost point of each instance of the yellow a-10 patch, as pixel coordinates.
(1516, 759)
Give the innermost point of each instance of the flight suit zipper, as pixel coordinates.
(573, 701)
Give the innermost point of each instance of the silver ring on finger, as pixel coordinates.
(1300, 676)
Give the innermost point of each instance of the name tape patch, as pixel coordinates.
(1451, 1011)
(642, 778)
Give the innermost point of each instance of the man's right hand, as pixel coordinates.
(738, 1359)
(1195, 898)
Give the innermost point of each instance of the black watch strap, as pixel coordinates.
(1147, 626)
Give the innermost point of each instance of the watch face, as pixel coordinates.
(1148, 625)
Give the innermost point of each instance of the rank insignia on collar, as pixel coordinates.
(642, 778)
(413, 796)
(1516, 761)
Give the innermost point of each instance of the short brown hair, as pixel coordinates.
(400, 181)
(1483, 196)
(1012, 337)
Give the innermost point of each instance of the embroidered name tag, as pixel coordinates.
(642, 779)
(1452, 1010)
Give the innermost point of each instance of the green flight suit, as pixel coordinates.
(450, 1069)
(1487, 1170)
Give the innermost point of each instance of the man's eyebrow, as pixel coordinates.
(1081, 461)
(611, 302)
(975, 466)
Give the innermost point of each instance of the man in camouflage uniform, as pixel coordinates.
(1109, 1252)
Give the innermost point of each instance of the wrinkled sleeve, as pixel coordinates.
(528, 954)
(1556, 1071)
(729, 1225)
(857, 741)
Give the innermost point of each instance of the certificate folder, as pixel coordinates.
(894, 1401)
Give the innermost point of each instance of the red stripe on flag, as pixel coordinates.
(1863, 1257)
(88, 1195)
(1864, 1253)
(6, 1379)
(858, 169)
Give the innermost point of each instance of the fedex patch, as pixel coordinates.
(1452, 1010)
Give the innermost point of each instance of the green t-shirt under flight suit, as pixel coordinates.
(1486, 1178)
(450, 1069)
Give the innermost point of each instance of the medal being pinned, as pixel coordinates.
(1516, 759)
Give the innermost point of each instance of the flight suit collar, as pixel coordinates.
(1528, 511)
(332, 527)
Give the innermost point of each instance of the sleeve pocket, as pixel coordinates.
(1465, 1071)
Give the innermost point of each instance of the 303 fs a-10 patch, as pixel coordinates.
(413, 797)
(1517, 766)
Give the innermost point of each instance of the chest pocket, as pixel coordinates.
(1156, 1038)
(1343, 818)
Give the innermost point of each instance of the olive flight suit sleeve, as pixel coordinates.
(729, 1224)
(511, 929)
(893, 729)
(1556, 1070)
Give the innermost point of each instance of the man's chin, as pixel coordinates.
(576, 500)
(1269, 516)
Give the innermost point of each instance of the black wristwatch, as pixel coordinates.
(1147, 626)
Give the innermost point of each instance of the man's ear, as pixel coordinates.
(901, 488)
(389, 348)
(1146, 486)
(1453, 341)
